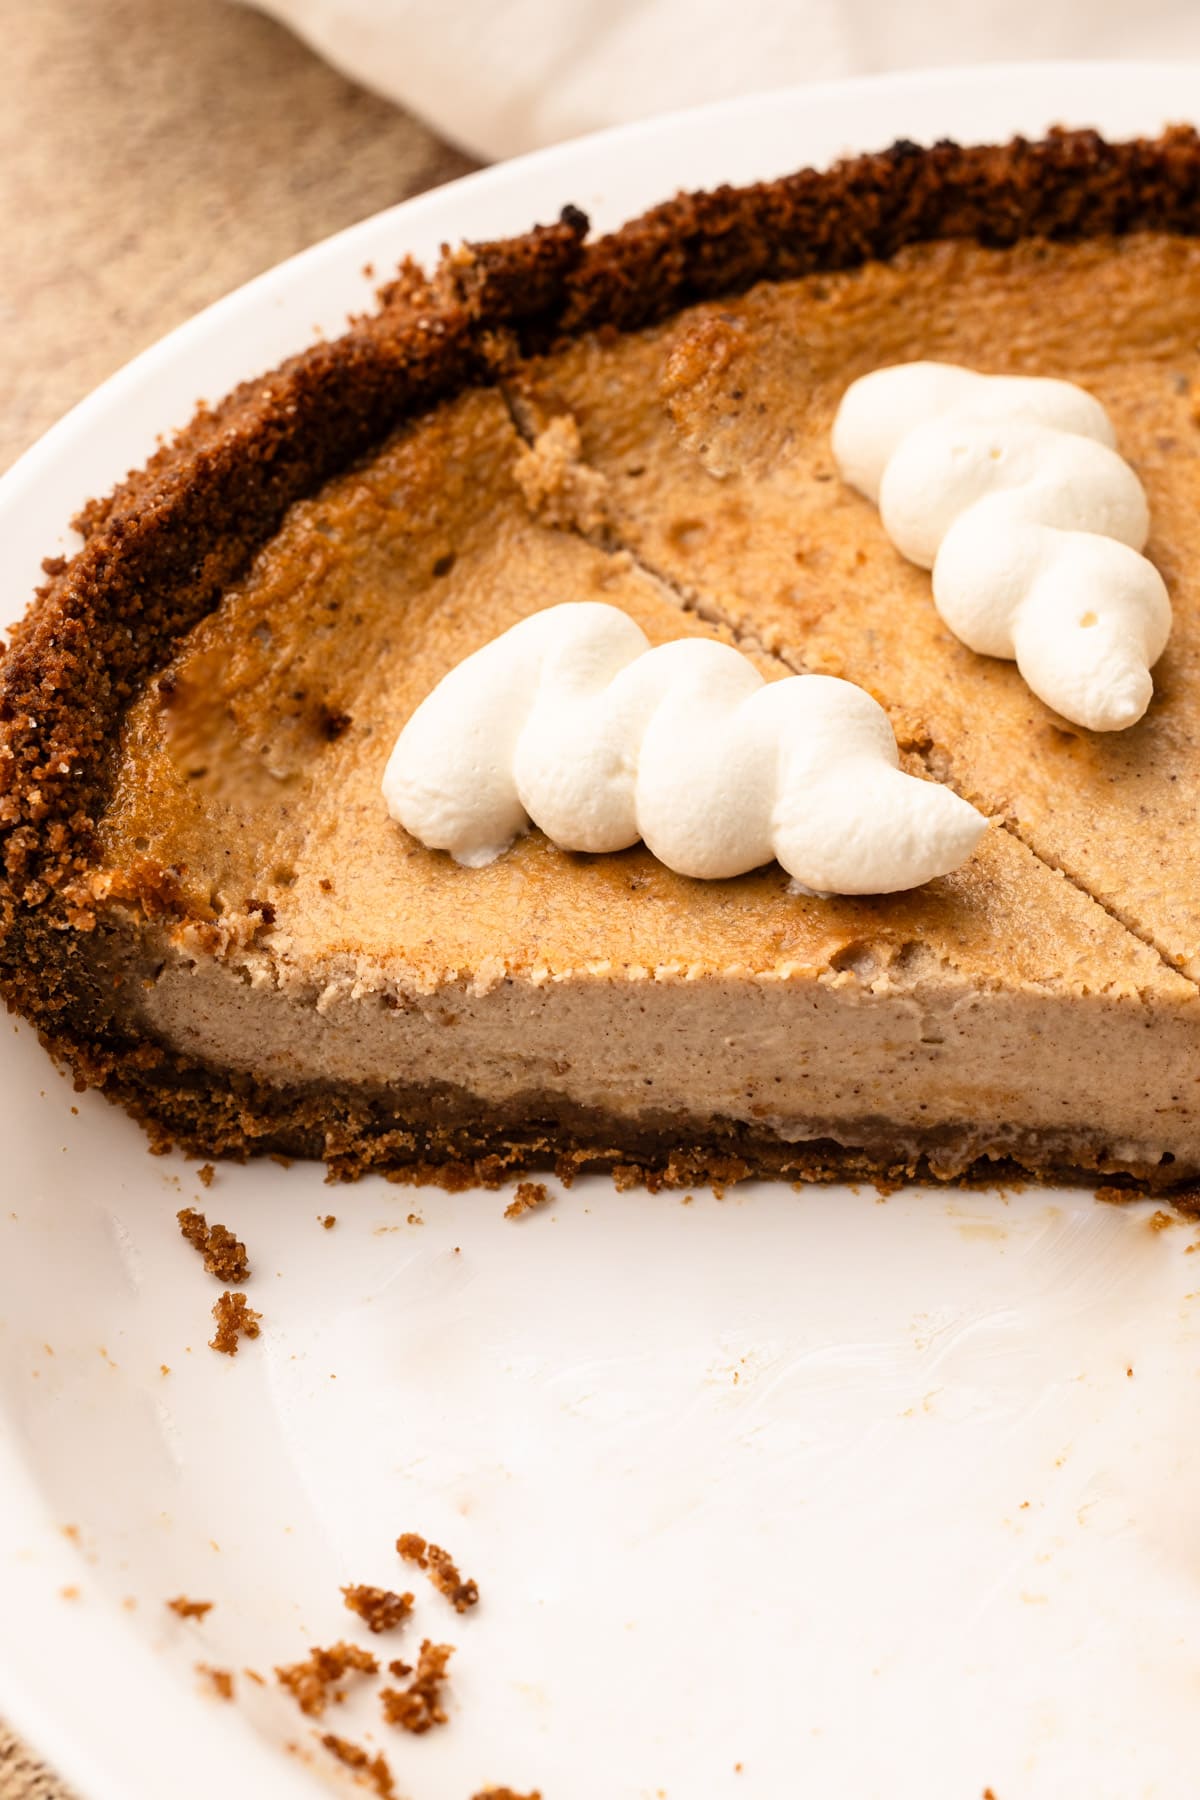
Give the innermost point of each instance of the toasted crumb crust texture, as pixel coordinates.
(206, 916)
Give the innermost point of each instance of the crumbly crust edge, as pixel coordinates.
(446, 1137)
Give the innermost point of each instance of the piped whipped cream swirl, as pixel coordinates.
(570, 720)
(1011, 490)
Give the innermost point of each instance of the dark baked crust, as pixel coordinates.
(451, 1139)
(160, 551)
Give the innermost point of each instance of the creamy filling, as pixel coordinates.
(799, 1057)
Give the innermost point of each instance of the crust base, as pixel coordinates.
(451, 1139)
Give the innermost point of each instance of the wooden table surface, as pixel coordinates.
(155, 154)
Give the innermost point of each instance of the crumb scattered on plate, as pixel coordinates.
(378, 1608)
(235, 1319)
(440, 1568)
(418, 1707)
(224, 1254)
(190, 1609)
(375, 1768)
(221, 1679)
(309, 1682)
(529, 1194)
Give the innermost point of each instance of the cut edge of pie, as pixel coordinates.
(563, 983)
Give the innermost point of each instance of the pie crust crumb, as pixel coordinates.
(221, 1679)
(235, 1319)
(379, 1608)
(440, 1568)
(529, 1195)
(224, 1254)
(375, 1768)
(418, 1707)
(309, 1682)
(190, 1609)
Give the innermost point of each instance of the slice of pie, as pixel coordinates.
(210, 915)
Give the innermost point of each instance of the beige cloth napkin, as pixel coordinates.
(504, 76)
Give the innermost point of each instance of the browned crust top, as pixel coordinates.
(159, 552)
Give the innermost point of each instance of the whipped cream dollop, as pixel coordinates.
(570, 720)
(1011, 490)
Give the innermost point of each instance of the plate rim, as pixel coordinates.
(94, 1747)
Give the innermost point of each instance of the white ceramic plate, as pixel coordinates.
(789, 1494)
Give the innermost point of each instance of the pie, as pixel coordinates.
(209, 915)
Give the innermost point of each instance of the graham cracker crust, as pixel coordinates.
(450, 1139)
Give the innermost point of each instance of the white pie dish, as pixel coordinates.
(742, 1482)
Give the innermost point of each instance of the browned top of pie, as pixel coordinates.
(241, 789)
(253, 763)
(712, 432)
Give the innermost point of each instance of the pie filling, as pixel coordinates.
(252, 955)
(792, 1056)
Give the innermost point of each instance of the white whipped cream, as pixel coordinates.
(570, 720)
(1011, 490)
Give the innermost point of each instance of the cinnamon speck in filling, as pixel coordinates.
(529, 1194)
(379, 1608)
(309, 1682)
(224, 1254)
(506, 1793)
(440, 1568)
(375, 1768)
(190, 1609)
(418, 1707)
(235, 1319)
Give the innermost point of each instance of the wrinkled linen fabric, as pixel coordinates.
(499, 77)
